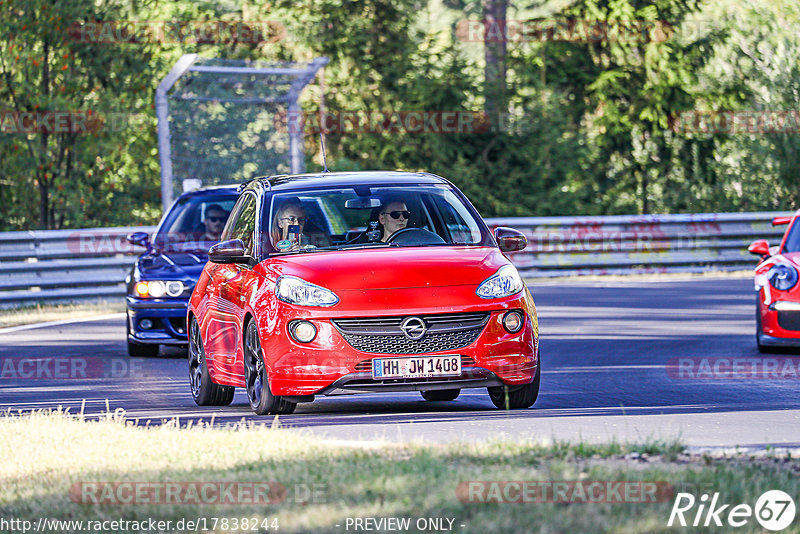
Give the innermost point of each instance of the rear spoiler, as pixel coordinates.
(777, 221)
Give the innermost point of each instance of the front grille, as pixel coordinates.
(789, 320)
(382, 335)
(366, 365)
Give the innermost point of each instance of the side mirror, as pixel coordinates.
(510, 240)
(141, 239)
(231, 251)
(759, 248)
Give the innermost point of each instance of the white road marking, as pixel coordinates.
(19, 328)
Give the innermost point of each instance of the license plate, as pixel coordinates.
(420, 367)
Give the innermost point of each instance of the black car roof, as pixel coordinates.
(290, 182)
(212, 190)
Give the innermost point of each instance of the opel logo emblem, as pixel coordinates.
(413, 328)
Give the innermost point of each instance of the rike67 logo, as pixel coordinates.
(774, 510)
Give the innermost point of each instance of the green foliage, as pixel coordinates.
(589, 128)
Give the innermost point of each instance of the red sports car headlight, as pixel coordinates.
(782, 276)
(295, 290)
(504, 283)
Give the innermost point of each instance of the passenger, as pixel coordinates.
(290, 213)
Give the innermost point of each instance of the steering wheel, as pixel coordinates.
(414, 236)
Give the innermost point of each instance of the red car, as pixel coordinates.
(337, 283)
(777, 290)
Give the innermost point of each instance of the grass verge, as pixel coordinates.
(40, 313)
(44, 455)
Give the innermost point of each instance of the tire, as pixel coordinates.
(204, 391)
(441, 394)
(139, 350)
(262, 401)
(761, 348)
(509, 398)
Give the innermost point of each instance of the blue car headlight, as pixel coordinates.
(504, 283)
(161, 288)
(782, 276)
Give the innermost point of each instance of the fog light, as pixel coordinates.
(512, 321)
(146, 324)
(302, 331)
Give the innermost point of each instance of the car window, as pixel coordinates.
(459, 224)
(378, 216)
(245, 224)
(195, 222)
(793, 239)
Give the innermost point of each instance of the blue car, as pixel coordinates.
(162, 279)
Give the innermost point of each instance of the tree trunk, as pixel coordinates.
(494, 17)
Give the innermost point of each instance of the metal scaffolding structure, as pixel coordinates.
(225, 121)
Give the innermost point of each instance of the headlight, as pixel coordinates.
(159, 288)
(504, 283)
(156, 288)
(782, 276)
(295, 290)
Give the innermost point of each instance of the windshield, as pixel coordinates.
(793, 239)
(375, 217)
(195, 222)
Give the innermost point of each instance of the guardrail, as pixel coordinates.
(65, 265)
(90, 263)
(625, 244)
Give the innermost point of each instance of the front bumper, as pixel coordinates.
(772, 341)
(471, 377)
(331, 366)
(167, 315)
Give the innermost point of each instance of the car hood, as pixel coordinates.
(396, 268)
(172, 266)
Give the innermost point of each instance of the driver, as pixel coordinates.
(393, 217)
(214, 222)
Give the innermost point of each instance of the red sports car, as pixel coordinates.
(337, 283)
(777, 291)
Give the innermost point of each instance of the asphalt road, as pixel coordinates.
(611, 370)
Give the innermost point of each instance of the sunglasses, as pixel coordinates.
(215, 219)
(293, 219)
(397, 214)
